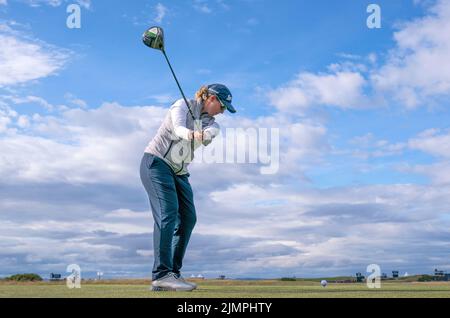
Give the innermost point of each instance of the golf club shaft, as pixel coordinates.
(174, 76)
(185, 100)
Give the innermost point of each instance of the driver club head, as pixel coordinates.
(154, 38)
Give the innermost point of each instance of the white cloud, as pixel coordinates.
(71, 146)
(56, 3)
(23, 59)
(204, 71)
(435, 142)
(341, 89)
(161, 11)
(282, 230)
(223, 5)
(23, 121)
(302, 144)
(17, 100)
(163, 98)
(4, 122)
(37, 3)
(438, 173)
(202, 6)
(367, 146)
(7, 116)
(377, 222)
(416, 71)
(84, 3)
(3, 2)
(431, 142)
(75, 101)
(418, 67)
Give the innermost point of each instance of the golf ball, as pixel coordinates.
(324, 283)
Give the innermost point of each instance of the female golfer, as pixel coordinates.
(165, 178)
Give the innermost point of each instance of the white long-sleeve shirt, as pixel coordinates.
(179, 112)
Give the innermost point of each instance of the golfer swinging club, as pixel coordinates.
(165, 178)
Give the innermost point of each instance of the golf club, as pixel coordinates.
(154, 38)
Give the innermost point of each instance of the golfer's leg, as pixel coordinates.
(186, 221)
(158, 180)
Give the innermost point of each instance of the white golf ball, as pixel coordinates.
(324, 283)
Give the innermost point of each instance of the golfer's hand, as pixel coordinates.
(198, 136)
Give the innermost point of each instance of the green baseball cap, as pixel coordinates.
(223, 94)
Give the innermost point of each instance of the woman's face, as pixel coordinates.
(212, 106)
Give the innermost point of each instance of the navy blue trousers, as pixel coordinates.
(172, 204)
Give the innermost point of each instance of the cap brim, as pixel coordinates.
(228, 105)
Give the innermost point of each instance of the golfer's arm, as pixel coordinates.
(179, 113)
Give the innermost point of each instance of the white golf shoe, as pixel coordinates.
(189, 283)
(171, 282)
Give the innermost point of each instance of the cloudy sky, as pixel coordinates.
(364, 173)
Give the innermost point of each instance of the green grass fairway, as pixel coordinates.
(228, 289)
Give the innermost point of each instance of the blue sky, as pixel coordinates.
(363, 115)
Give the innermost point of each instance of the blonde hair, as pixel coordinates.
(202, 94)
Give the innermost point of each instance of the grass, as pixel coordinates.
(227, 289)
